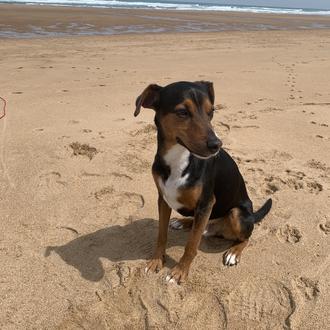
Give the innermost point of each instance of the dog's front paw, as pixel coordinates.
(154, 265)
(178, 274)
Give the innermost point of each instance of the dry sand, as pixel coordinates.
(78, 204)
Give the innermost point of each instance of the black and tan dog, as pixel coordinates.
(194, 175)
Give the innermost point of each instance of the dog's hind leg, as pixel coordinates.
(239, 229)
(232, 227)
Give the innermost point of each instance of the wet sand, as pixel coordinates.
(35, 21)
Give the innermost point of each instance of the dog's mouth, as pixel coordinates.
(198, 155)
(184, 145)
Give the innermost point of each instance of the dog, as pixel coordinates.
(195, 176)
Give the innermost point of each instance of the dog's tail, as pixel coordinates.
(263, 211)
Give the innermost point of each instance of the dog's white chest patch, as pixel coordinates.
(177, 158)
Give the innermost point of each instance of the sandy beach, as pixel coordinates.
(78, 205)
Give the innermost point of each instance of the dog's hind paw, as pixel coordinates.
(176, 224)
(179, 224)
(233, 255)
(230, 259)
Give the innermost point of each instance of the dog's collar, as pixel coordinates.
(208, 157)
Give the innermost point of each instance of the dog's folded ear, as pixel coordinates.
(208, 87)
(148, 99)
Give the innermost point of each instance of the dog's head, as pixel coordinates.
(184, 111)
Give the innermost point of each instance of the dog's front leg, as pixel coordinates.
(180, 272)
(156, 263)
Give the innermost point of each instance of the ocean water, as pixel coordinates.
(172, 4)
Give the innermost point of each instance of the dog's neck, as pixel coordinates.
(171, 155)
(177, 158)
(174, 162)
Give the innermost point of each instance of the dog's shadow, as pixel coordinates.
(121, 243)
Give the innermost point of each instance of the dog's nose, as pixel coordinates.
(214, 144)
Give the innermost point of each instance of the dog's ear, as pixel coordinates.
(208, 87)
(148, 99)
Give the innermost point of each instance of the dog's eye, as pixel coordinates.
(182, 113)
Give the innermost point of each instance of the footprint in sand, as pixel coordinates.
(294, 180)
(118, 276)
(83, 150)
(306, 292)
(194, 315)
(256, 170)
(325, 227)
(289, 234)
(316, 164)
(50, 183)
(314, 187)
(296, 174)
(271, 185)
(260, 304)
(73, 122)
(308, 288)
(278, 155)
